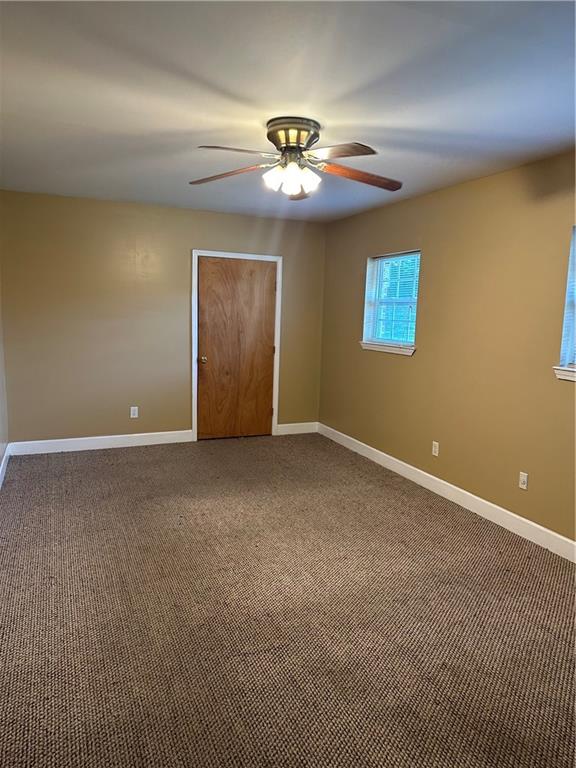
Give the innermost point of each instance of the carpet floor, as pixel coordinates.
(270, 602)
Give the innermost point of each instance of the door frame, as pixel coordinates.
(196, 253)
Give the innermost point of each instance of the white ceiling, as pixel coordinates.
(110, 100)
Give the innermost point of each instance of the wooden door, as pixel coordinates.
(236, 316)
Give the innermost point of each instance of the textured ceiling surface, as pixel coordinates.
(110, 100)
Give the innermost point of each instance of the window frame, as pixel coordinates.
(566, 370)
(396, 348)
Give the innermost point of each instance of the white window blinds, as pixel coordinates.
(391, 299)
(568, 349)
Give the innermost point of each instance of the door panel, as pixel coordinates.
(236, 315)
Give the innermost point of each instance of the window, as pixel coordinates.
(567, 367)
(390, 303)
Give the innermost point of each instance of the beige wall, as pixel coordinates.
(492, 285)
(97, 312)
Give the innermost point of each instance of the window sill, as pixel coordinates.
(395, 349)
(565, 372)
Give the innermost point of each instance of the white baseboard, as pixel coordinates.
(546, 538)
(4, 463)
(296, 428)
(99, 442)
(62, 445)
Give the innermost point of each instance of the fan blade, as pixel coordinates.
(236, 149)
(361, 176)
(341, 150)
(248, 169)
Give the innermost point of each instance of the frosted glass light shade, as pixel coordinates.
(292, 179)
(274, 177)
(291, 184)
(309, 180)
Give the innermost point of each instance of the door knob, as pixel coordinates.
(203, 360)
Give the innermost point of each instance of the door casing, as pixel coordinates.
(196, 253)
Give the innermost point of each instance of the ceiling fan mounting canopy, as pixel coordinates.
(292, 134)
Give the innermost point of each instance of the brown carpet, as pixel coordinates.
(270, 602)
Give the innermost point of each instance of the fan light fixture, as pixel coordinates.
(293, 179)
(292, 168)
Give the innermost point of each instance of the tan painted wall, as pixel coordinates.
(97, 312)
(492, 285)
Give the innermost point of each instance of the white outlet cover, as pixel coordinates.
(133, 411)
(523, 481)
(435, 448)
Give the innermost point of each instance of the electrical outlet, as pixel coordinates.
(523, 481)
(133, 411)
(435, 448)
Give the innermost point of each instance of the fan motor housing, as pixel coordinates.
(293, 133)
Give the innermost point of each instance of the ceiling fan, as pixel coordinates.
(293, 168)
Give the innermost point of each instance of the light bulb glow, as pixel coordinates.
(291, 188)
(274, 177)
(292, 183)
(291, 179)
(309, 180)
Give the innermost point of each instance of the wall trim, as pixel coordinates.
(99, 442)
(4, 463)
(566, 372)
(26, 448)
(534, 532)
(297, 428)
(395, 349)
